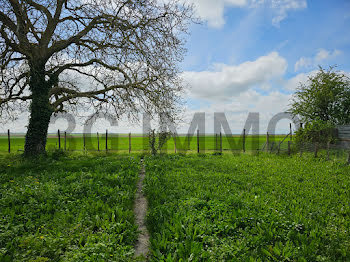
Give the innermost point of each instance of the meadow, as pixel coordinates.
(120, 142)
(202, 207)
(78, 208)
(248, 208)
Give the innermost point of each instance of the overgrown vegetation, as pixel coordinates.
(76, 208)
(202, 207)
(248, 208)
(317, 131)
(157, 144)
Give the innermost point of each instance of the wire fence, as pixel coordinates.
(339, 151)
(215, 143)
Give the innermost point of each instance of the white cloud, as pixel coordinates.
(238, 108)
(303, 62)
(322, 55)
(282, 7)
(213, 11)
(225, 81)
(293, 83)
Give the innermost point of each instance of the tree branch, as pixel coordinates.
(60, 45)
(8, 22)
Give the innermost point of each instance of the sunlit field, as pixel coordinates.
(248, 208)
(202, 207)
(77, 208)
(120, 142)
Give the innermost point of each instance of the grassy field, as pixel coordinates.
(248, 208)
(76, 209)
(120, 143)
(202, 207)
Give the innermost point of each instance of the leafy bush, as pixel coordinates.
(155, 144)
(316, 132)
(325, 96)
(57, 154)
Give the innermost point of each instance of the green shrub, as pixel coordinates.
(316, 132)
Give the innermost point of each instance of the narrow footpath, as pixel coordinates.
(140, 210)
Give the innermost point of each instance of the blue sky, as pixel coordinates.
(249, 33)
(250, 55)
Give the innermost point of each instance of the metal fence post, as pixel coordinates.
(244, 140)
(288, 148)
(59, 139)
(267, 141)
(220, 142)
(84, 142)
(9, 140)
(106, 140)
(198, 141)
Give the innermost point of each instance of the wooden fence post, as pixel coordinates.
(129, 143)
(216, 142)
(65, 141)
(288, 148)
(349, 158)
(290, 132)
(106, 140)
(272, 146)
(220, 142)
(198, 141)
(328, 150)
(267, 141)
(98, 142)
(315, 150)
(189, 142)
(244, 140)
(59, 139)
(9, 140)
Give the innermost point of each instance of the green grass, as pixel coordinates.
(77, 208)
(202, 207)
(75, 142)
(248, 208)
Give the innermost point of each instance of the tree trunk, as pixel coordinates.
(40, 113)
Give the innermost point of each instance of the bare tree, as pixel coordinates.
(126, 52)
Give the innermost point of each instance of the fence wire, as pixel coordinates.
(339, 151)
(136, 143)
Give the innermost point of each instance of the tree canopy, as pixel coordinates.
(325, 97)
(125, 52)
